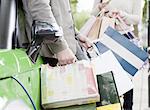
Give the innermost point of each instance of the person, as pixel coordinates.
(57, 13)
(130, 13)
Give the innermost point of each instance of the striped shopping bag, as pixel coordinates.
(130, 56)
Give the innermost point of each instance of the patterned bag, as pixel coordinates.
(72, 84)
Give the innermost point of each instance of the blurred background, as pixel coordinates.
(81, 11)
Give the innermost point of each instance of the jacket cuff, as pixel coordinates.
(58, 46)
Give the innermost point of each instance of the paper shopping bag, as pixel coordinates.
(107, 62)
(130, 56)
(94, 28)
(88, 25)
(93, 33)
(105, 23)
(109, 97)
(73, 84)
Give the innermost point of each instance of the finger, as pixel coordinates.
(70, 61)
(84, 45)
(62, 62)
(88, 43)
(73, 60)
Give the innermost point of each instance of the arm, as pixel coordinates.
(41, 11)
(98, 6)
(83, 40)
(136, 15)
(95, 8)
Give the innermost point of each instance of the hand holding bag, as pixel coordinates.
(94, 28)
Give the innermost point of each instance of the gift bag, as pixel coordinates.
(130, 56)
(107, 62)
(94, 28)
(91, 28)
(93, 33)
(109, 97)
(88, 25)
(73, 84)
(99, 27)
(106, 22)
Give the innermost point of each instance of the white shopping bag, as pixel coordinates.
(72, 84)
(108, 62)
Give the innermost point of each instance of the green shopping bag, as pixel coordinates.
(109, 98)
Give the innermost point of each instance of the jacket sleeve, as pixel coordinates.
(41, 10)
(95, 8)
(136, 15)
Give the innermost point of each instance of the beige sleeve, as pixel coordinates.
(95, 8)
(136, 15)
(41, 10)
(58, 46)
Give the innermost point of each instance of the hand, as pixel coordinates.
(117, 13)
(103, 5)
(66, 57)
(85, 42)
(123, 15)
(113, 13)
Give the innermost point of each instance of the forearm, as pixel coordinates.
(136, 15)
(41, 10)
(95, 8)
(132, 19)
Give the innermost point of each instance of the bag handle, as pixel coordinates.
(93, 52)
(103, 10)
(123, 27)
(100, 13)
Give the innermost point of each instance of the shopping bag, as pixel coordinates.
(109, 97)
(107, 62)
(130, 56)
(73, 84)
(122, 27)
(88, 25)
(106, 22)
(95, 29)
(99, 27)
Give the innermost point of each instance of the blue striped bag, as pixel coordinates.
(130, 56)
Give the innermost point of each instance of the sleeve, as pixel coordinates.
(95, 8)
(41, 10)
(136, 15)
(78, 34)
